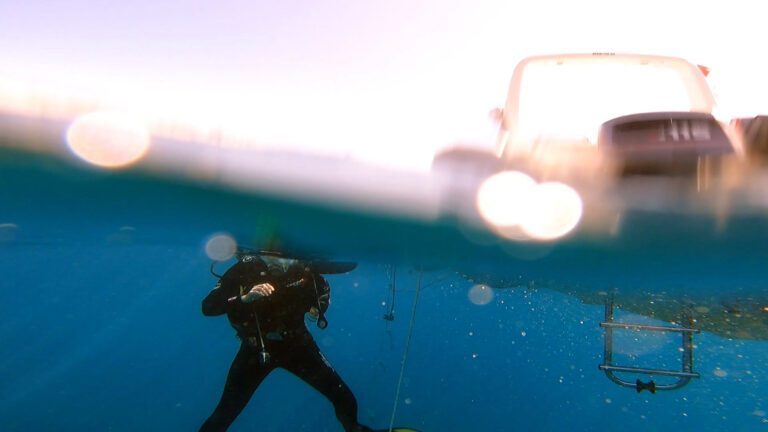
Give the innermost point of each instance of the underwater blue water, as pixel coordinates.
(112, 338)
(105, 333)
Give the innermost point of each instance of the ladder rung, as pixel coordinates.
(649, 371)
(648, 327)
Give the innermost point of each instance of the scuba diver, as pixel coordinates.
(266, 297)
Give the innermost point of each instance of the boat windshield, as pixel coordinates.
(571, 99)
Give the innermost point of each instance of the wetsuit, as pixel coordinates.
(278, 320)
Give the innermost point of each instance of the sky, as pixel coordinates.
(372, 80)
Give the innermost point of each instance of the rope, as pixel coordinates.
(390, 315)
(405, 353)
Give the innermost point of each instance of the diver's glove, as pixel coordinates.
(257, 292)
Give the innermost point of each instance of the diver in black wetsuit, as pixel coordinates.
(266, 298)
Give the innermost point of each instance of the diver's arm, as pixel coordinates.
(218, 301)
(228, 295)
(256, 292)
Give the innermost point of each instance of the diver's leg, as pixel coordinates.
(309, 364)
(244, 377)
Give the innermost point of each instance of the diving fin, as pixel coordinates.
(333, 267)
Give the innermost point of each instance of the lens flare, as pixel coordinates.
(501, 199)
(124, 235)
(480, 294)
(8, 232)
(555, 210)
(517, 208)
(108, 139)
(220, 247)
